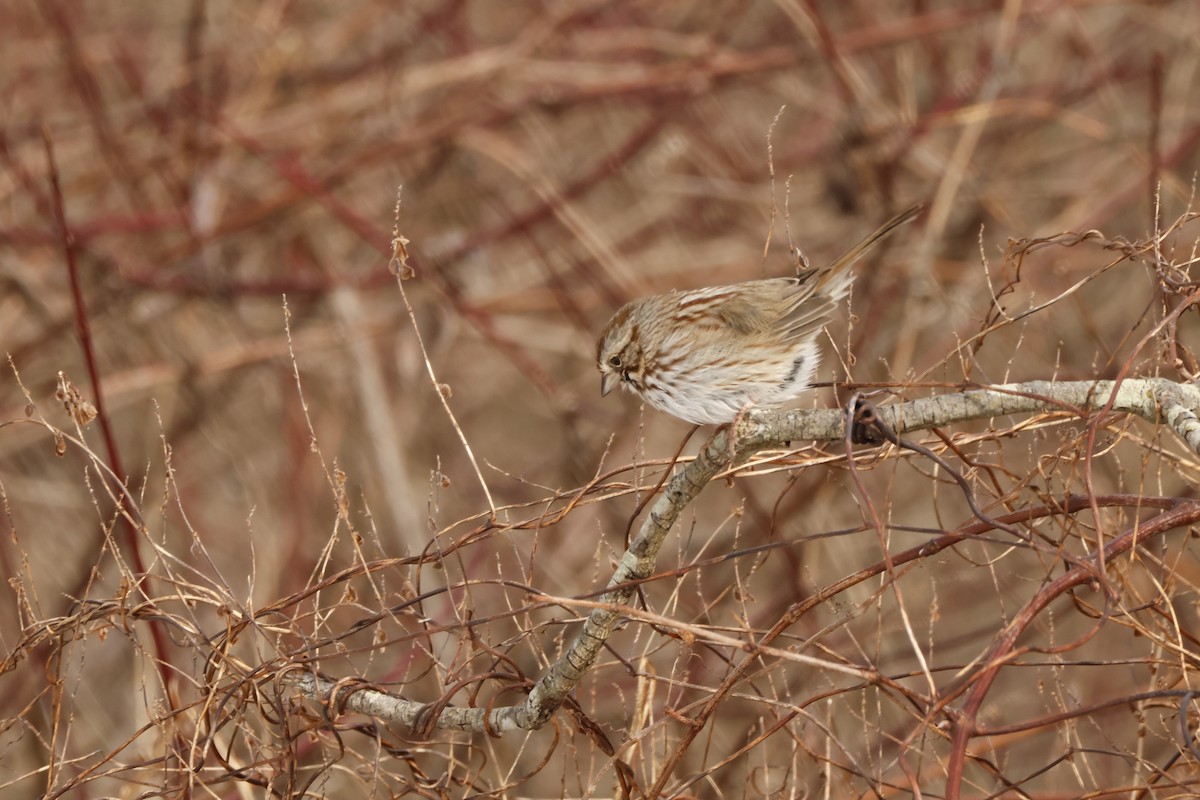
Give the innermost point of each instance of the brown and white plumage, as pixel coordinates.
(706, 355)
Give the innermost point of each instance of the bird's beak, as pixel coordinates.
(607, 381)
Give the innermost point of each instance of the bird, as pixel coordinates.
(709, 355)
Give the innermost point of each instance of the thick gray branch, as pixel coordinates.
(1154, 399)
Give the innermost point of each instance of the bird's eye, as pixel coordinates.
(614, 361)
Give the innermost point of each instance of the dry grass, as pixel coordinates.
(299, 496)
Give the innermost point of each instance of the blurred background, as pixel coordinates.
(197, 204)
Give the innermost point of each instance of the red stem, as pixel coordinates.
(110, 442)
(1184, 512)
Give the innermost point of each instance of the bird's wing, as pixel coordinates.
(807, 308)
(791, 307)
(736, 309)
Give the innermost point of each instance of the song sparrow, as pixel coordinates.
(707, 355)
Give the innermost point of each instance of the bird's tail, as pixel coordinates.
(852, 255)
